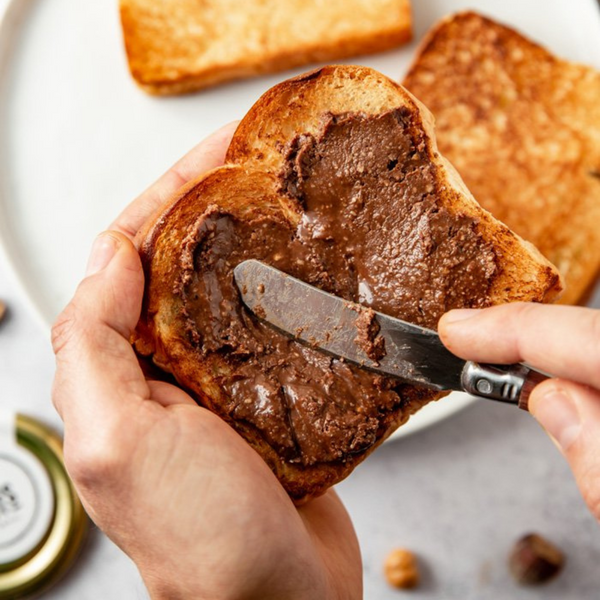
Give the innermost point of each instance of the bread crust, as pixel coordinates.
(523, 129)
(248, 184)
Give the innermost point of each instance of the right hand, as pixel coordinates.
(192, 504)
(562, 340)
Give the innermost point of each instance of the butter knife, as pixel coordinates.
(411, 353)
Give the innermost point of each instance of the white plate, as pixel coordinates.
(78, 140)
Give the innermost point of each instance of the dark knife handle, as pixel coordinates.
(506, 383)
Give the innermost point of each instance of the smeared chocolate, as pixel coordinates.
(373, 232)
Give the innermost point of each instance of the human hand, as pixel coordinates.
(562, 340)
(173, 485)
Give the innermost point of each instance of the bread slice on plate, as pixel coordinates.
(523, 129)
(333, 177)
(178, 46)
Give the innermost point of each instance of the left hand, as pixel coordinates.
(192, 504)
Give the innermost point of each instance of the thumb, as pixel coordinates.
(122, 286)
(97, 370)
(570, 413)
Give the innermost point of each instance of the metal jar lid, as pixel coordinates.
(42, 521)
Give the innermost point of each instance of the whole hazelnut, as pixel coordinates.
(401, 569)
(535, 560)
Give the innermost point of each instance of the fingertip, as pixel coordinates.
(553, 405)
(127, 252)
(460, 315)
(450, 326)
(114, 284)
(214, 147)
(104, 248)
(208, 154)
(226, 132)
(543, 389)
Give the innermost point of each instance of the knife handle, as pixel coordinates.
(506, 383)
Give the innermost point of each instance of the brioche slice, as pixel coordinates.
(178, 46)
(333, 177)
(523, 129)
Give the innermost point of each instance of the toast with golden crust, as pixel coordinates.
(178, 46)
(192, 310)
(523, 129)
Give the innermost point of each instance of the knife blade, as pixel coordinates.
(350, 331)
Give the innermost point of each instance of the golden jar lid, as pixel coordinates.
(42, 521)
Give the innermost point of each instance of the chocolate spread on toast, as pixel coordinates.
(371, 232)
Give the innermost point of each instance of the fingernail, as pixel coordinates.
(460, 314)
(558, 415)
(104, 248)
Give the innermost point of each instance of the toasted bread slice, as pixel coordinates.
(178, 46)
(523, 129)
(315, 418)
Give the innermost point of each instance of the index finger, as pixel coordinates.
(207, 155)
(561, 340)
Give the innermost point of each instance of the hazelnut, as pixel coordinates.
(535, 560)
(401, 569)
(2, 310)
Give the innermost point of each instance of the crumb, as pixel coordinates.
(368, 338)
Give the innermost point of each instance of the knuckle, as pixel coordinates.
(64, 328)
(72, 326)
(520, 327)
(91, 466)
(521, 310)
